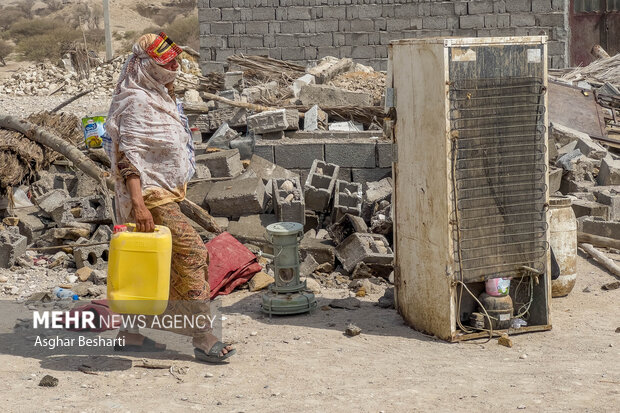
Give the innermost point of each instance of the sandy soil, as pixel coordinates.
(305, 363)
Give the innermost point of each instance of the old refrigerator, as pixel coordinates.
(470, 176)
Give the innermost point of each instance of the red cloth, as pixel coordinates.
(230, 264)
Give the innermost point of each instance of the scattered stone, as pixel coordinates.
(11, 221)
(352, 330)
(84, 273)
(523, 356)
(350, 303)
(387, 301)
(611, 286)
(504, 340)
(4, 279)
(48, 381)
(312, 285)
(209, 375)
(254, 333)
(260, 281)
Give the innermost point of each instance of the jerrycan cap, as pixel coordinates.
(119, 228)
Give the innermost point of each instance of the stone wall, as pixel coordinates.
(307, 30)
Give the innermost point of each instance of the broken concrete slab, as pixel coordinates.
(590, 148)
(289, 204)
(255, 93)
(251, 229)
(568, 148)
(12, 246)
(245, 145)
(197, 192)
(367, 248)
(555, 179)
(320, 184)
(348, 126)
(329, 96)
(30, 225)
(330, 67)
(308, 266)
(211, 121)
(298, 83)
(222, 164)
(236, 199)
(91, 209)
(609, 172)
(233, 80)
(323, 251)
(315, 119)
(274, 121)
(611, 198)
(52, 200)
(222, 137)
(589, 208)
(345, 226)
(600, 227)
(267, 170)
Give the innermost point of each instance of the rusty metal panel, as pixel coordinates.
(577, 108)
(593, 22)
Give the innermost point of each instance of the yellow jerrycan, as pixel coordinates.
(139, 271)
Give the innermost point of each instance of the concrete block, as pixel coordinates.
(252, 228)
(315, 119)
(298, 155)
(255, 93)
(609, 172)
(369, 174)
(274, 121)
(245, 145)
(323, 251)
(222, 137)
(210, 122)
(306, 79)
(332, 96)
(344, 174)
(330, 67)
(335, 135)
(264, 150)
(12, 246)
(221, 164)
(102, 234)
(590, 148)
(91, 209)
(611, 198)
(267, 170)
(366, 248)
(197, 192)
(288, 197)
(384, 154)
(555, 179)
(348, 126)
(233, 80)
(351, 154)
(52, 200)
(347, 199)
(95, 257)
(320, 185)
(345, 226)
(601, 227)
(30, 225)
(270, 136)
(236, 199)
(589, 208)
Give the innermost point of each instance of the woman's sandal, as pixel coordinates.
(213, 355)
(147, 346)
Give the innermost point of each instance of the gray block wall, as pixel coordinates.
(304, 31)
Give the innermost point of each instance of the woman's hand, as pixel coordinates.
(141, 214)
(144, 219)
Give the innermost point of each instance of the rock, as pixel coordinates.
(308, 266)
(350, 303)
(70, 233)
(11, 221)
(504, 340)
(84, 273)
(99, 277)
(48, 381)
(325, 267)
(352, 330)
(523, 356)
(259, 281)
(312, 285)
(4, 279)
(254, 333)
(611, 286)
(209, 375)
(71, 278)
(387, 301)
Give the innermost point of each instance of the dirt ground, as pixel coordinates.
(305, 363)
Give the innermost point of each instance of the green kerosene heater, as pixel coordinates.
(288, 295)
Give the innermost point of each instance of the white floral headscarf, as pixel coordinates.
(145, 124)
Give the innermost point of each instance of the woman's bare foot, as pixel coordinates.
(132, 339)
(205, 342)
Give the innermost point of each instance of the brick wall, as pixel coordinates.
(307, 30)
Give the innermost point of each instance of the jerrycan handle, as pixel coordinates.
(130, 227)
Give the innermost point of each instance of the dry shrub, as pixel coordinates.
(5, 49)
(46, 46)
(10, 15)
